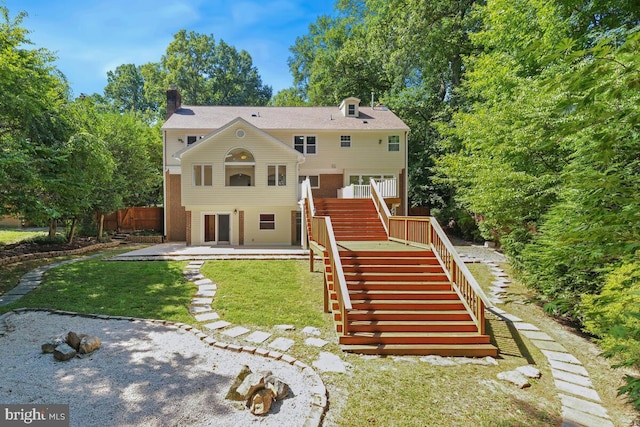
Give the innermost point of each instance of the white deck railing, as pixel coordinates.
(387, 188)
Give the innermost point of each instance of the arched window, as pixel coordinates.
(239, 168)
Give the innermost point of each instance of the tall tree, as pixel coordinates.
(212, 74)
(34, 124)
(125, 88)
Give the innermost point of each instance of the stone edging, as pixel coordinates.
(37, 255)
(580, 402)
(145, 239)
(318, 402)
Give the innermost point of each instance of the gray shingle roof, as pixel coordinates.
(283, 118)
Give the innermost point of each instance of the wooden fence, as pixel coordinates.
(135, 219)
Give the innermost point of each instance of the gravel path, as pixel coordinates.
(145, 374)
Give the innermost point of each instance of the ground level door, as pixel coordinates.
(217, 228)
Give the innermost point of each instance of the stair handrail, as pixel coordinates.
(324, 236)
(435, 238)
(308, 194)
(381, 205)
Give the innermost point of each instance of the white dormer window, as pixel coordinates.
(349, 107)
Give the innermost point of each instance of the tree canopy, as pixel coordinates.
(523, 116)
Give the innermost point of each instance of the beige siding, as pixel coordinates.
(366, 152)
(265, 152)
(253, 234)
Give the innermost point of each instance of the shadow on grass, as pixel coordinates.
(506, 337)
(145, 289)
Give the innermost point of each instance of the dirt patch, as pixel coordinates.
(23, 248)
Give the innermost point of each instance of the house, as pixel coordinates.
(232, 174)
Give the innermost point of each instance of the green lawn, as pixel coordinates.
(375, 391)
(152, 289)
(14, 235)
(267, 293)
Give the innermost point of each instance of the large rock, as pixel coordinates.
(74, 339)
(89, 344)
(529, 371)
(252, 383)
(64, 352)
(260, 402)
(515, 377)
(233, 394)
(278, 388)
(50, 346)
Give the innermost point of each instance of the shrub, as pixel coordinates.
(614, 317)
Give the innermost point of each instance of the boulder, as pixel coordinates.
(74, 339)
(50, 346)
(514, 377)
(252, 383)
(233, 394)
(278, 388)
(89, 344)
(260, 402)
(529, 371)
(64, 352)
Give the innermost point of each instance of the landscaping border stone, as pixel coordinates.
(51, 254)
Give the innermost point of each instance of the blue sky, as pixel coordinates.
(91, 37)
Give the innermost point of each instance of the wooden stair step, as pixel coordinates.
(390, 261)
(409, 286)
(412, 326)
(392, 315)
(386, 254)
(417, 338)
(393, 294)
(395, 277)
(391, 269)
(408, 305)
(449, 350)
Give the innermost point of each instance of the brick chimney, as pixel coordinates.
(174, 101)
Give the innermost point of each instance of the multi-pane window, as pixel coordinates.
(305, 144)
(351, 110)
(314, 180)
(394, 143)
(345, 141)
(276, 175)
(192, 138)
(267, 221)
(202, 175)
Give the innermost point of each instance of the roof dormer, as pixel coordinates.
(350, 107)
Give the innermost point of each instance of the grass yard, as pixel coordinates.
(375, 391)
(152, 289)
(14, 235)
(267, 293)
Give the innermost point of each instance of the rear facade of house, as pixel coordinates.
(232, 175)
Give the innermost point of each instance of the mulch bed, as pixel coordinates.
(25, 251)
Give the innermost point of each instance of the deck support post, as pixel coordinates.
(326, 295)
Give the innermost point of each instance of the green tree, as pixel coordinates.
(125, 89)
(212, 74)
(34, 125)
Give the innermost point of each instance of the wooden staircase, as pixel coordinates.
(353, 219)
(402, 300)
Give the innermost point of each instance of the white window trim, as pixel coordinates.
(389, 143)
(305, 144)
(197, 138)
(345, 139)
(277, 180)
(202, 166)
(307, 176)
(260, 222)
